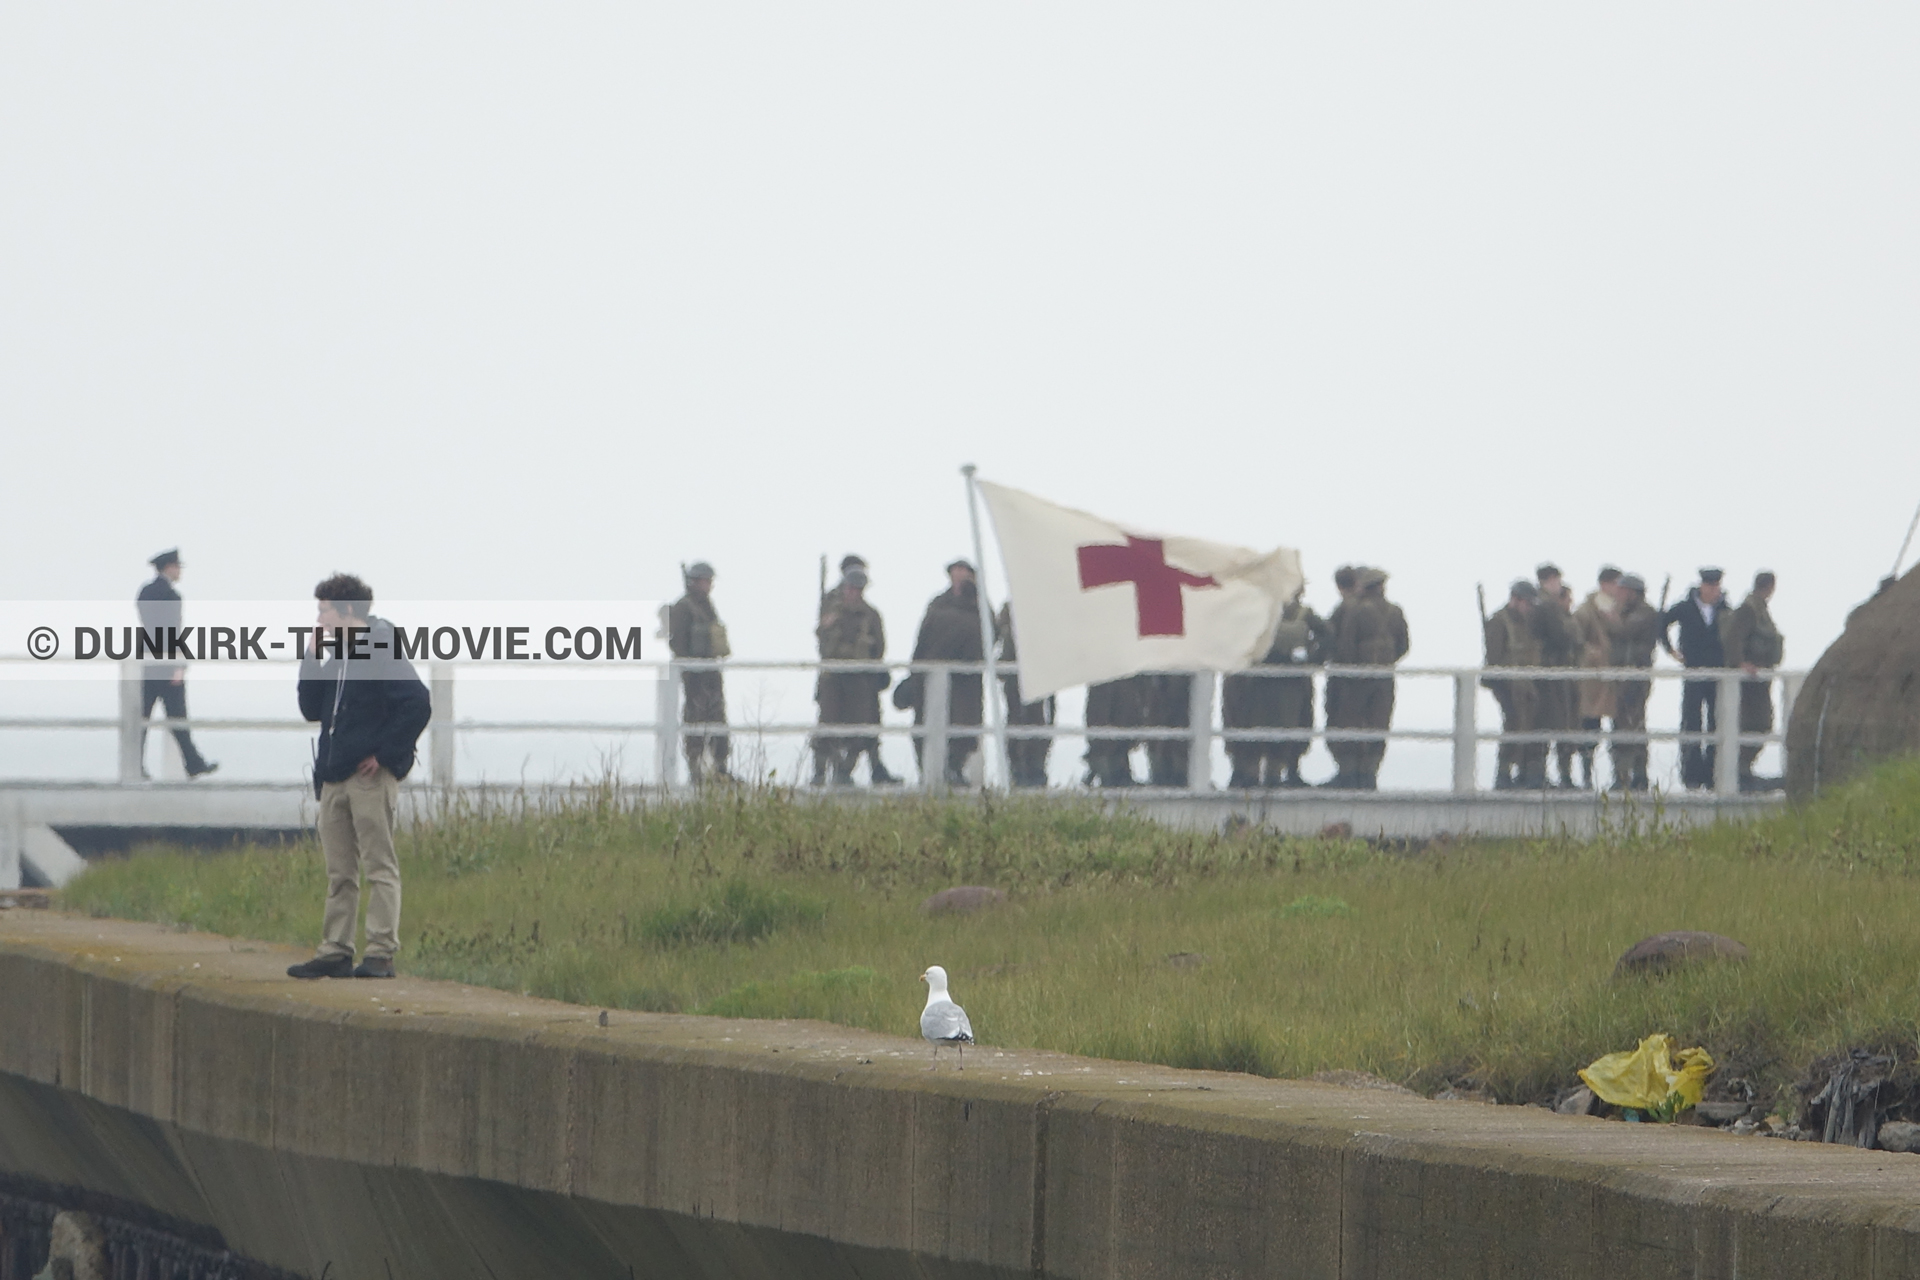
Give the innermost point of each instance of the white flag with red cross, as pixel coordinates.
(1093, 600)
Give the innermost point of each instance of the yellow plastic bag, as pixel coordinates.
(1646, 1078)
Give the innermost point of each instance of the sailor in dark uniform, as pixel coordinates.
(159, 606)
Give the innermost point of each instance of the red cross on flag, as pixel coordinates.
(1093, 600)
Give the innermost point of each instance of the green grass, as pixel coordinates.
(1484, 963)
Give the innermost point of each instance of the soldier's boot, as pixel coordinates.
(819, 767)
(1246, 768)
(881, 777)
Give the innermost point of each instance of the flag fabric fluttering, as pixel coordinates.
(1094, 600)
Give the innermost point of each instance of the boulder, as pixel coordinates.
(1899, 1135)
(1577, 1103)
(1664, 951)
(963, 899)
(1861, 702)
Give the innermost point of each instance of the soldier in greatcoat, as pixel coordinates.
(1754, 644)
(694, 630)
(1512, 640)
(850, 630)
(1275, 702)
(950, 632)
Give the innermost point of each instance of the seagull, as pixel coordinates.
(943, 1021)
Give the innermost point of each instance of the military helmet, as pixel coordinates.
(1523, 590)
(698, 569)
(1633, 582)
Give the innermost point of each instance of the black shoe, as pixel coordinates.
(328, 966)
(374, 967)
(881, 778)
(206, 767)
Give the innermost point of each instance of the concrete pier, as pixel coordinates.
(426, 1130)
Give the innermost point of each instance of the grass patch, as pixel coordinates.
(737, 911)
(1482, 962)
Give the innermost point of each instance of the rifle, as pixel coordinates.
(1480, 590)
(823, 580)
(1664, 642)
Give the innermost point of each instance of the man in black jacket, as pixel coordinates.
(371, 708)
(159, 606)
(1698, 617)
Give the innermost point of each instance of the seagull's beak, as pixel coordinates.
(923, 976)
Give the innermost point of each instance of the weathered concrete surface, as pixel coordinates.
(436, 1130)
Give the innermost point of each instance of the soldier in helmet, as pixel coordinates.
(850, 630)
(1559, 649)
(1637, 629)
(1169, 706)
(1278, 702)
(1372, 633)
(1513, 640)
(694, 630)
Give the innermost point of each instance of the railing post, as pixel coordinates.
(1200, 732)
(1466, 733)
(440, 730)
(13, 833)
(666, 727)
(1789, 694)
(1726, 733)
(129, 722)
(933, 750)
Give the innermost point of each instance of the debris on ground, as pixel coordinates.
(1849, 1107)
(963, 899)
(1651, 1078)
(1360, 1080)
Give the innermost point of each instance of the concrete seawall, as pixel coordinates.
(424, 1130)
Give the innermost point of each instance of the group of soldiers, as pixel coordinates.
(851, 631)
(1268, 712)
(1539, 626)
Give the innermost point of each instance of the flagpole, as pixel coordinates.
(988, 690)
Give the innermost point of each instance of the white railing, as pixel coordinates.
(669, 731)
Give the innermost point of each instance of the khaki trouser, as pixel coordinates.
(356, 830)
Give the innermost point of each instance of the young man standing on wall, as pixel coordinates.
(371, 708)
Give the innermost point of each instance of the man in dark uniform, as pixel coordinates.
(850, 630)
(694, 630)
(1636, 629)
(1027, 757)
(159, 606)
(1754, 644)
(1512, 640)
(1275, 702)
(1698, 617)
(1115, 704)
(950, 632)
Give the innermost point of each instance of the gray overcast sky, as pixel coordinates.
(516, 301)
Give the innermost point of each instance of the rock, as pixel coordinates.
(1663, 951)
(1722, 1112)
(1577, 1103)
(1184, 960)
(1360, 1080)
(963, 900)
(1857, 706)
(1899, 1135)
(1337, 831)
